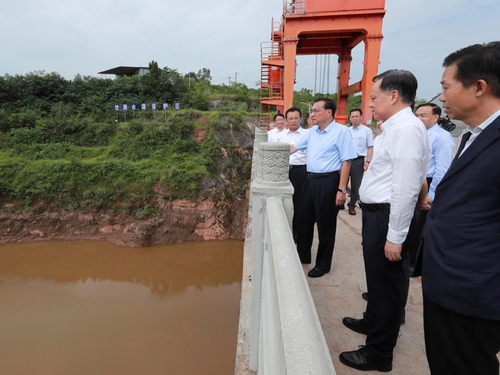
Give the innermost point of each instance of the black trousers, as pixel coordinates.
(458, 344)
(356, 175)
(297, 176)
(317, 205)
(416, 227)
(386, 285)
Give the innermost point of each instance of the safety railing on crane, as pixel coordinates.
(271, 84)
(294, 6)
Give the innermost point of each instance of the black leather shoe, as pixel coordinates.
(316, 272)
(365, 296)
(356, 325)
(362, 359)
(352, 211)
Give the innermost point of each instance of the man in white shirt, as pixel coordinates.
(298, 161)
(388, 194)
(362, 138)
(274, 135)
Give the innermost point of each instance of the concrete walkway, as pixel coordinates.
(338, 294)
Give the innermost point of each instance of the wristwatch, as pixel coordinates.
(343, 191)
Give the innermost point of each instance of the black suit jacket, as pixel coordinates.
(461, 256)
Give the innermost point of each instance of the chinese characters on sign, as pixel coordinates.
(143, 106)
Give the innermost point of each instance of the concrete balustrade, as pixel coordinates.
(284, 334)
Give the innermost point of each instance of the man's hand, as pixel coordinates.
(425, 204)
(392, 251)
(340, 199)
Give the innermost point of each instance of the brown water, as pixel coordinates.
(91, 307)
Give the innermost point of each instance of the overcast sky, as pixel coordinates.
(88, 36)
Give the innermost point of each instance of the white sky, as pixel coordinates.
(87, 36)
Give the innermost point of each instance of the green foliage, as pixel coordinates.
(73, 165)
(63, 146)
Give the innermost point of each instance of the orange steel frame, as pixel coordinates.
(321, 27)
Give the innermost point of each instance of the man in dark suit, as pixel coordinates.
(461, 251)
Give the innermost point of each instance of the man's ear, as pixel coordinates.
(481, 87)
(394, 95)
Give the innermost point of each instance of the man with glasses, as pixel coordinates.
(329, 153)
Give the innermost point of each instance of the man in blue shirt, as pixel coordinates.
(329, 153)
(442, 146)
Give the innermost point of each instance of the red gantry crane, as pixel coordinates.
(321, 27)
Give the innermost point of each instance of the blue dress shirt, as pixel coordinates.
(442, 145)
(327, 149)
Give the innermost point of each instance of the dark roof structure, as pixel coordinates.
(121, 71)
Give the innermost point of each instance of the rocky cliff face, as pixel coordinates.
(177, 221)
(210, 217)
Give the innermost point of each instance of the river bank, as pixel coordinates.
(172, 222)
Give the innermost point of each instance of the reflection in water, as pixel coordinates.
(96, 308)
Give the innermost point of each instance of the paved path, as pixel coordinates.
(338, 294)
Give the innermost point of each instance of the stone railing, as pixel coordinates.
(285, 335)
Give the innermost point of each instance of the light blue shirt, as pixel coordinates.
(362, 138)
(327, 149)
(442, 145)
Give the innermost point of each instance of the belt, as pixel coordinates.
(291, 166)
(359, 157)
(321, 175)
(375, 206)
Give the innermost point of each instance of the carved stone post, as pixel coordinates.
(260, 136)
(271, 180)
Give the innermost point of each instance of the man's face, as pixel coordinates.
(280, 122)
(380, 102)
(293, 120)
(458, 101)
(426, 116)
(355, 118)
(319, 115)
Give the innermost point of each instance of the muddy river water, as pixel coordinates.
(94, 308)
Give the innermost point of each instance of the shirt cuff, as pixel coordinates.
(396, 237)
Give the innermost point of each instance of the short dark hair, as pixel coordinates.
(403, 81)
(478, 61)
(292, 109)
(328, 104)
(356, 110)
(436, 110)
(279, 114)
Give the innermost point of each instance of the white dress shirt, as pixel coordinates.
(475, 131)
(397, 170)
(274, 135)
(299, 157)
